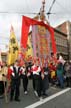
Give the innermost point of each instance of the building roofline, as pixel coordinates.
(60, 32)
(63, 23)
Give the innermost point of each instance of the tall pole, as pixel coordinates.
(42, 10)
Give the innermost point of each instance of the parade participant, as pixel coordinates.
(5, 72)
(59, 72)
(36, 71)
(24, 78)
(5, 81)
(1, 83)
(53, 58)
(60, 58)
(28, 68)
(10, 69)
(15, 82)
(52, 72)
(45, 81)
(67, 73)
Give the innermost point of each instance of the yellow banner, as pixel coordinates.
(13, 48)
(29, 52)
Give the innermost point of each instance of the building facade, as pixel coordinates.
(63, 39)
(61, 43)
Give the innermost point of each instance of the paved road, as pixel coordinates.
(61, 101)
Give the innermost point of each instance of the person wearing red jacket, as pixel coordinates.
(36, 72)
(10, 69)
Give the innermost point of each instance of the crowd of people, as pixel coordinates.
(56, 72)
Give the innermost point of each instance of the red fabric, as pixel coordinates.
(52, 67)
(25, 30)
(34, 69)
(9, 73)
(26, 22)
(21, 62)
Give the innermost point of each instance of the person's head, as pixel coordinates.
(16, 63)
(52, 54)
(24, 66)
(4, 64)
(59, 66)
(58, 55)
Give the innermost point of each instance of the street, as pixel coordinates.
(57, 98)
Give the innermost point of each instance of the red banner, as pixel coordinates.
(26, 23)
(40, 41)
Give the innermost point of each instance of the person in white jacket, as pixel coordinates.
(36, 71)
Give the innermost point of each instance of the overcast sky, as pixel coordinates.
(11, 12)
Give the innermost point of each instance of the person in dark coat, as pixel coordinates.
(15, 82)
(1, 82)
(45, 81)
(24, 78)
(67, 72)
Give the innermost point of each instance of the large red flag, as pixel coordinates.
(26, 23)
